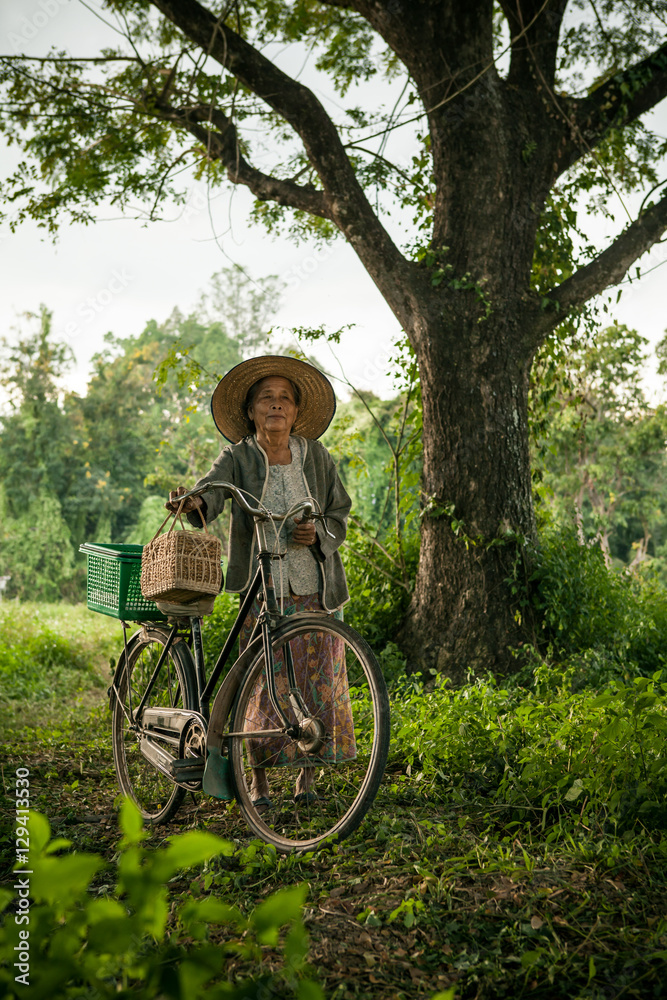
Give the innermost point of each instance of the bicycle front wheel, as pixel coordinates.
(321, 784)
(156, 795)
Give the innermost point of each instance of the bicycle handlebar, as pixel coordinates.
(261, 515)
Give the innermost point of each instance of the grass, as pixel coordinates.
(478, 868)
(52, 656)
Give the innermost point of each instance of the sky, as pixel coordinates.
(118, 273)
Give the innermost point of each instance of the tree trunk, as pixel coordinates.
(466, 614)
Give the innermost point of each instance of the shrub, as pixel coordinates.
(49, 651)
(151, 514)
(551, 757)
(216, 627)
(36, 549)
(614, 623)
(378, 598)
(126, 941)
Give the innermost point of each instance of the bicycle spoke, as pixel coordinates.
(327, 790)
(155, 794)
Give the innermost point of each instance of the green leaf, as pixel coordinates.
(105, 909)
(57, 845)
(279, 909)
(111, 930)
(309, 990)
(591, 969)
(131, 822)
(154, 915)
(613, 730)
(188, 849)
(531, 958)
(193, 973)
(654, 720)
(211, 911)
(39, 832)
(575, 791)
(63, 880)
(297, 944)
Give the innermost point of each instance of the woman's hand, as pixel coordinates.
(192, 503)
(304, 533)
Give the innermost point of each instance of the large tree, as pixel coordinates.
(517, 106)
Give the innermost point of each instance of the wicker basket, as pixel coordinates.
(181, 566)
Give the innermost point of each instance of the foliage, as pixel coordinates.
(151, 515)
(355, 440)
(553, 758)
(36, 550)
(599, 446)
(74, 160)
(242, 307)
(445, 887)
(51, 656)
(39, 665)
(377, 446)
(609, 622)
(35, 431)
(381, 548)
(215, 627)
(515, 870)
(35, 466)
(98, 462)
(529, 113)
(377, 604)
(124, 940)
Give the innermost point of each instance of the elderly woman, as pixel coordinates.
(273, 409)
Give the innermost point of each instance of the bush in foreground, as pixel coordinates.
(126, 941)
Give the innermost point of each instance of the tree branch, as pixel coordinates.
(609, 267)
(534, 29)
(614, 104)
(68, 59)
(345, 201)
(222, 144)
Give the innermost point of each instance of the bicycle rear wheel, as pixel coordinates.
(322, 784)
(156, 795)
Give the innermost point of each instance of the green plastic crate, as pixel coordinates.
(114, 583)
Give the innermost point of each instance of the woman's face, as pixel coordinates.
(274, 407)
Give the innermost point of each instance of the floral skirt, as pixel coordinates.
(321, 676)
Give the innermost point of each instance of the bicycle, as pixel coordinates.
(168, 740)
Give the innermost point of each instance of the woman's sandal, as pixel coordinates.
(306, 798)
(262, 803)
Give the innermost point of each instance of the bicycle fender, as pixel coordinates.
(140, 636)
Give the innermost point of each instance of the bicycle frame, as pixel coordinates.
(268, 619)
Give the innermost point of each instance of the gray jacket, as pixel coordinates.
(246, 465)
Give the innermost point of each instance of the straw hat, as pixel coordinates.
(316, 408)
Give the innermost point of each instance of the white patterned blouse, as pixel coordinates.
(286, 486)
